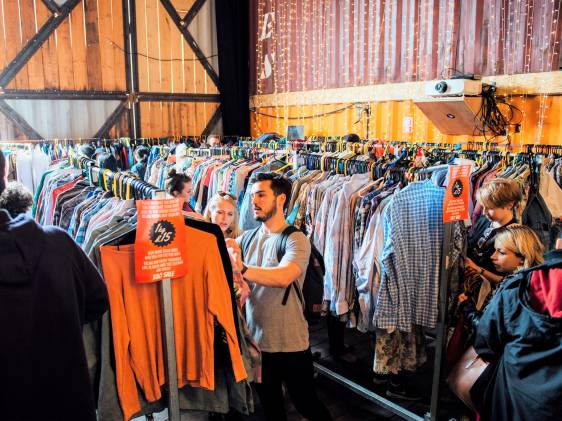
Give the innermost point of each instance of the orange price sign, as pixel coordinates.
(455, 206)
(160, 250)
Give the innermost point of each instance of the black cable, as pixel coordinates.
(492, 121)
(159, 59)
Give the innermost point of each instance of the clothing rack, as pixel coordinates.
(42, 141)
(271, 144)
(363, 166)
(141, 190)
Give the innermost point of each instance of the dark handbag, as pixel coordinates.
(464, 374)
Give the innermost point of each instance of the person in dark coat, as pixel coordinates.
(48, 290)
(520, 334)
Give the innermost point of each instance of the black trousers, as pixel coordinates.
(336, 329)
(296, 371)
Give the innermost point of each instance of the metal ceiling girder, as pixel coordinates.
(190, 15)
(52, 6)
(35, 43)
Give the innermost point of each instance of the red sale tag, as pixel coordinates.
(455, 206)
(160, 251)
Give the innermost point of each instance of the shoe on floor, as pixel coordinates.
(402, 391)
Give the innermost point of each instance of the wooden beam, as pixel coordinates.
(177, 97)
(131, 67)
(61, 94)
(111, 120)
(212, 122)
(182, 26)
(35, 43)
(547, 83)
(19, 121)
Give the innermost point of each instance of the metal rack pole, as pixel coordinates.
(367, 394)
(169, 343)
(441, 323)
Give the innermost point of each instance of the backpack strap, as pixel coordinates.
(247, 238)
(282, 242)
(281, 248)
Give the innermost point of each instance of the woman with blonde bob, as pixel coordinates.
(222, 210)
(517, 247)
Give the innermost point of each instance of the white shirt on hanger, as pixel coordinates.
(24, 169)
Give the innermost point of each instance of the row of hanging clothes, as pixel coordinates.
(29, 160)
(377, 220)
(217, 169)
(216, 359)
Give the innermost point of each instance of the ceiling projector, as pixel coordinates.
(453, 87)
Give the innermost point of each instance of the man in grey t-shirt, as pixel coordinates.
(280, 330)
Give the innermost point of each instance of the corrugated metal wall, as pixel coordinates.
(315, 44)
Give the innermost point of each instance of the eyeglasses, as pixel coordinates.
(225, 194)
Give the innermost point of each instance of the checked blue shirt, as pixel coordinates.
(410, 260)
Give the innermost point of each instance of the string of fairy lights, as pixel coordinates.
(321, 44)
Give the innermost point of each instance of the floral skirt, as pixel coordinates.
(399, 351)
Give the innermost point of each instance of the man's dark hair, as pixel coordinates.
(16, 199)
(107, 161)
(279, 184)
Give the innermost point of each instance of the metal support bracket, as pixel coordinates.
(182, 25)
(212, 122)
(52, 6)
(111, 121)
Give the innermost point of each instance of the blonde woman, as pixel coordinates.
(222, 210)
(517, 247)
(500, 200)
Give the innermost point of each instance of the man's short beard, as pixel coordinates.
(267, 216)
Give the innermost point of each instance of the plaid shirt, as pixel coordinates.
(86, 216)
(413, 235)
(68, 207)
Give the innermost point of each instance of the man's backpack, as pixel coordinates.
(312, 293)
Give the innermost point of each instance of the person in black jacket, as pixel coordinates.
(48, 290)
(520, 334)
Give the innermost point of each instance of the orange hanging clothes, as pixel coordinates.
(199, 297)
(137, 332)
